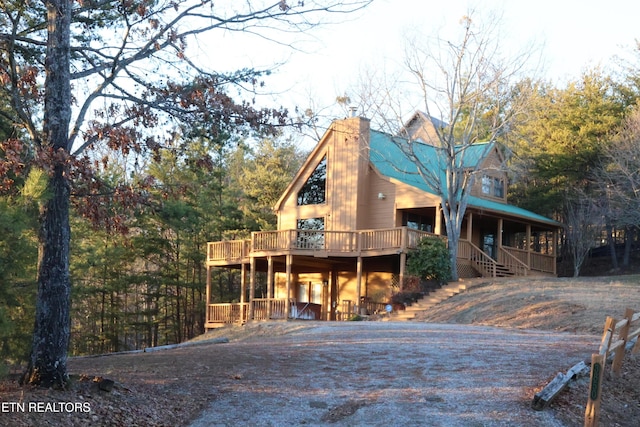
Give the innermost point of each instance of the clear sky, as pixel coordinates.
(571, 35)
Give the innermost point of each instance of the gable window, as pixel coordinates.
(310, 233)
(492, 186)
(498, 187)
(486, 184)
(314, 190)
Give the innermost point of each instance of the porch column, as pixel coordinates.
(358, 282)
(269, 284)
(288, 263)
(438, 226)
(243, 283)
(208, 297)
(252, 286)
(499, 234)
(403, 264)
(555, 251)
(334, 294)
(529, 245)
(469, 226)
(243, 290)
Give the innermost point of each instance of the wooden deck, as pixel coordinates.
(370, 243)
(317, 243)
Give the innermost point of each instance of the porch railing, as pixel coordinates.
(363, 241)
(269, 308)
(481, 260)
(317, 240)
(263, 309)
(227, 313)
(512, 263)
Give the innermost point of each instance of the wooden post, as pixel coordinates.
(252, 286)
(403, 264)
(288, 263)
(358, 282)
(438, 226)
(607, 336)
(334, 294)
(470, 227)
(243, 283)
(207, 319)
(622, 335)
(269, 285)
(528, 228)
(592, 412)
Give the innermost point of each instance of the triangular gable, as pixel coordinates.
(305, 171)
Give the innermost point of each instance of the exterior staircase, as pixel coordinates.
(428, 301)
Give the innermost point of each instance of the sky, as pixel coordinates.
(568, 36)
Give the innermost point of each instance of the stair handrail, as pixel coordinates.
(521, 268)
(483, 259)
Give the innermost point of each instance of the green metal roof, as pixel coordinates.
(392, 161)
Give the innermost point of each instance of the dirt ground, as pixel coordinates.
(433, 371)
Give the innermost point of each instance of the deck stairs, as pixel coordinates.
(429, 300)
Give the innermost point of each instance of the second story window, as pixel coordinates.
(314, 190)
(492, 186)
(498, 187)
(486, 184)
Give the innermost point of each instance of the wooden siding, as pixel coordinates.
(346, 146)
(493, 167)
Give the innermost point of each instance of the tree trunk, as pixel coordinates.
(48, 361)
(629, 233)
(612, 246)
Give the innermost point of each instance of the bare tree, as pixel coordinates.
(584, 221)
(83, 73)
(618, 177)
(467, 91)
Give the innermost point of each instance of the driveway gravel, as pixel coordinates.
(385, 374)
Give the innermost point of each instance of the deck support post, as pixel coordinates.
(287, 307)
(358, 282)
(269, 284)
(252, 286)
(243, 291)
(529, 245)
(208, 295)
(334, 294)
(403, 265)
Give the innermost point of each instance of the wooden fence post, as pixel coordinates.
(592, 413)
(623, 335)
(607, 336)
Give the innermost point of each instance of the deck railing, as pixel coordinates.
(354, 242)
(344, 242)
(227, 313)
(269, 308)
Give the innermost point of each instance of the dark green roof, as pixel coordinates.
(390, 160)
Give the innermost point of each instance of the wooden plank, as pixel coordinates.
(609, 329)
(623, 336)
(559, 383)
(592, 412)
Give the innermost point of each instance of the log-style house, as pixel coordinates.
(350, 216)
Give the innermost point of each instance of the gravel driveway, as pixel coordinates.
(386, 374)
